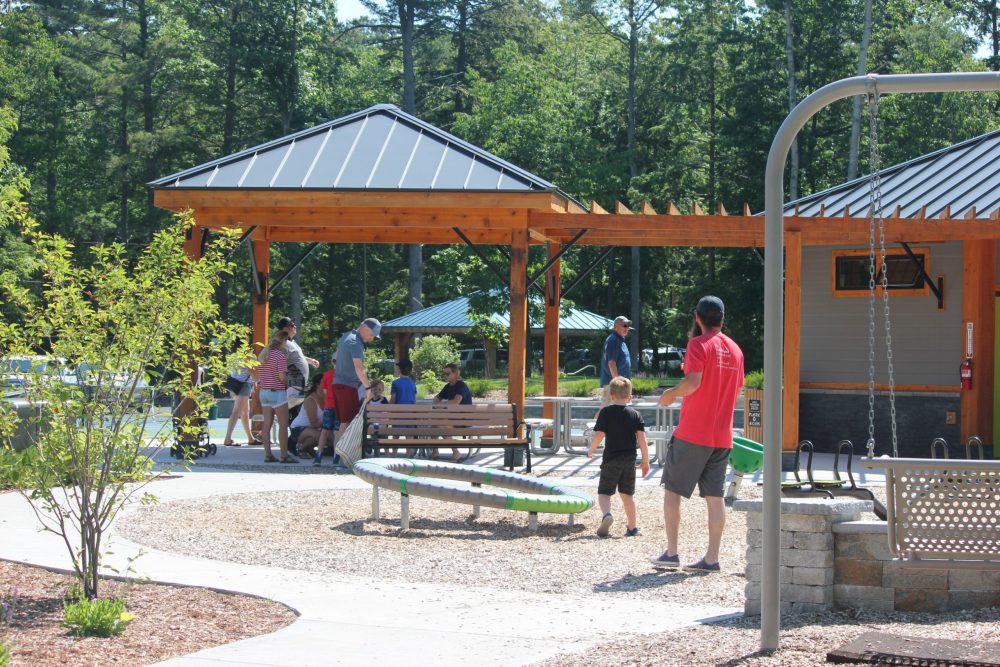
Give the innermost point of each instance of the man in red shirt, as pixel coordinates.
(699, 449)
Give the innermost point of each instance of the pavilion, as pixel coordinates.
(384, 176)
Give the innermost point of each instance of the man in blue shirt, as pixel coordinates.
(615, 358)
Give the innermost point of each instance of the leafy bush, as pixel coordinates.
(754, 380)
(4, 655)
(430, 355)
(479, 386)
(15, 467)
(645, 386)
(105, 617)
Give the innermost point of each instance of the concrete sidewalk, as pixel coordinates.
(348, 620)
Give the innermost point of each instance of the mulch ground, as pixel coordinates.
(169, 621)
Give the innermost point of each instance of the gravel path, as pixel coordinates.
(331, 531)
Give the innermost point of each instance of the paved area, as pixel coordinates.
(354, 620)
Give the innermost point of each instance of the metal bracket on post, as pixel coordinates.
(583, 274)
(293, 267)
(552, 260)
(938, 287)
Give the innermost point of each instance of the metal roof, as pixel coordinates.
(958, 178)
(451, 317)
(379, 148)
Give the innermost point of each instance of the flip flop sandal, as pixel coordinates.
(289, 459)
(270, 459)
(231, 444)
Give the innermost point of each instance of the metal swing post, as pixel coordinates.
(774, 294)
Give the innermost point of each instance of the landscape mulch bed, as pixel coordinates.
(169, 620)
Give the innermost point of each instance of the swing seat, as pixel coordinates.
(942, 513)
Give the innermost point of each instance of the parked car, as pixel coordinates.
(112, 383)
(669, 360)
(17, 372)
(573, 361)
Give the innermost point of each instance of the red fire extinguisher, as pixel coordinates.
(965, 370)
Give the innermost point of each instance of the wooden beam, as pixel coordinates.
(550, 366)
(518, 318)
(192, 249)
(409, 218)
(178, 199)
(979, 309)
(792, 351)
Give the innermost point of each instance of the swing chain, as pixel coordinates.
(875, 185)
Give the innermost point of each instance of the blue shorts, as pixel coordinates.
(273, 398)
(246, 389)
(330, 422)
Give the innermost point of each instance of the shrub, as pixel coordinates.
(430, 355)
(4, 655)
(105, 617)
(754, 380)
(15, 467)
(479, 386)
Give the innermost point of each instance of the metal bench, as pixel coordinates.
(942, 513)
(437, 425)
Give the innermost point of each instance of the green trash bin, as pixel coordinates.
(213, 412)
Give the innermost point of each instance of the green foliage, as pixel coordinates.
(754, 380)
(132, 332)
(479, 386)
(16, 467)
(103, 617)
(4, 655)
(430, 355)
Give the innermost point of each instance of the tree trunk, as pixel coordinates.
(866, 35)
(148, 107)
(793, 172)
(461, 54)
(229, 109)
(633, 167)
(406, 12)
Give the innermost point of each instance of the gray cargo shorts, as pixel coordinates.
(688, 465)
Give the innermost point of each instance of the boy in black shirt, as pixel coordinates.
(624, 429)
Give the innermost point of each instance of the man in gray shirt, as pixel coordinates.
(351, 373)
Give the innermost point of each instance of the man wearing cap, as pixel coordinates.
(615, 358)
(699, 449)
(351, 375)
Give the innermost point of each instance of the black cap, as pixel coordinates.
(708, 305)
(286, 321)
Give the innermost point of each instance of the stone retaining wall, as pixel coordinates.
(831, 559)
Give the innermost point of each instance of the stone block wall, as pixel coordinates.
(866, 577)
(807, 551)
(832, 559)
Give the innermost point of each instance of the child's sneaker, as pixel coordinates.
(605, 527)
(702, 566)
(665, 562)
(632, 532)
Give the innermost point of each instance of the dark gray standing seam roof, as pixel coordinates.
(380, 148)
(961, 177)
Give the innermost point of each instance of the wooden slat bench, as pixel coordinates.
(437, 425)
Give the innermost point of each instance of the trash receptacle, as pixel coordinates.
(513, 457)
(213, 412)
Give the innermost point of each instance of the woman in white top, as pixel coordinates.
(308, 423)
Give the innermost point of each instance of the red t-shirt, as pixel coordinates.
(707, 414)
(327, 384)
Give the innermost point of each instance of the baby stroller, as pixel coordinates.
(194, 443)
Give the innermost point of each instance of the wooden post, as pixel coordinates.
(979, 308)
(518, 317)
(261, 307)
(192, 248)
(550, 366)
(793, 348)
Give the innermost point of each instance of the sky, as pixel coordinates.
(350, 9)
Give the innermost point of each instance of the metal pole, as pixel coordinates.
(774, 297)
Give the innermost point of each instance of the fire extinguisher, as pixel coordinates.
(965, 370)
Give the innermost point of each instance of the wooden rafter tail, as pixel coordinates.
(922, 214)
(695, 209)
(596, 208)
(945, 213)
(722, 209)
(647, 208)
(622, 209)
(822, 211)
(672, 209)
(796, 210)
(746, 210)
(847, 211)
(996, 214)
(971, 214)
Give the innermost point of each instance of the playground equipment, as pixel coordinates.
(461, 483)
(746, 458)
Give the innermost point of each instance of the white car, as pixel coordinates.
(16, 372)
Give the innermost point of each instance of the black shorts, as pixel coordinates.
(617, 474)
(688, 465)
